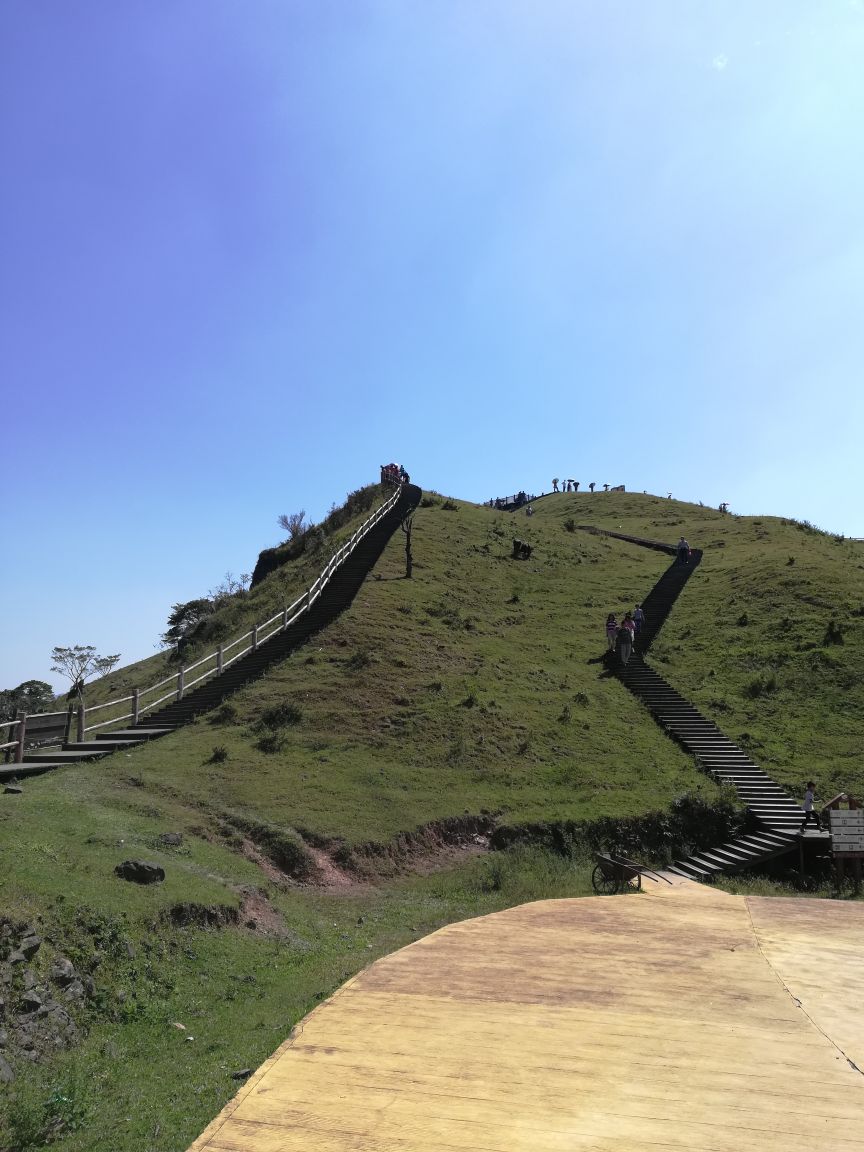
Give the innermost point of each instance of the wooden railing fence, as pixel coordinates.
(213, 664)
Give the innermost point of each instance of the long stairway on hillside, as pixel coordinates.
(776, 817)
(336, 595)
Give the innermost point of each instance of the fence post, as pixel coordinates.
(284, 619)
(254, 637)
(180, 684)
(220, 659)
(82, 716)
(308, 597)
(136, 705)
(67, 732)
(22, 728)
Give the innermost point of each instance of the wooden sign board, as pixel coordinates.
(847, 830)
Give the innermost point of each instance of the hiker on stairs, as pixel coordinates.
(809, 813)
(611, 631)
(638, 619)
(683, 551)
(624, 641)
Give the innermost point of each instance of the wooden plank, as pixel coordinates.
(663, 1021)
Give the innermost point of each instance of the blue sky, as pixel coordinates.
(252, 250)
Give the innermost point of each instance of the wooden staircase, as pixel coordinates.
(335, 597)
(776, 818)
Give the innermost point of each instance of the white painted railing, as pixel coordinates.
(214, 663)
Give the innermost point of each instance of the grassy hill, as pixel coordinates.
(336, 808)
(769, 641)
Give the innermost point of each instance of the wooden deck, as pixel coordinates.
(681, 1019)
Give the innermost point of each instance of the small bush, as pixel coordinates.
(360, 659)
(271, 742)
(470, 700)
(566, 714)
(790, 561)
(449, 505)
(570, 524)
(428, 502)
(581, 698)
(227, 714)
(833, 633)
(219, 755)
(760, 686)
(743, 620)
(281, 715)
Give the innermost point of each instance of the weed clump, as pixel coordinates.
(219, 755)
(227, 714)
(271, 742)
(833, 633)
(282, 715)
(570, 524)
(449, 505)
(760, 686)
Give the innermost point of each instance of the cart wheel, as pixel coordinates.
(603, 884)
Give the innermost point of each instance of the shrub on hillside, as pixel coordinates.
(449, 505)
(281, 715)
(833, 633)
(690, 824)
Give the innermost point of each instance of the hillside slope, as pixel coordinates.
(473, 693)
(768, 640)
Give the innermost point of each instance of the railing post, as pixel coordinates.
(308, 598)
(82, 716)
(180, 684)
(220, 659)
(21, 717)
(136, 704)
(67, 732)
(254, 637)
(284, 618)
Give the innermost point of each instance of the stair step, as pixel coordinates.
(699, 861)
(134, 734)
(99, 745)
(63, 757)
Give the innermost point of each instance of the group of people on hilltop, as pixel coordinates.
(573, 485)
(394, 474)
(620, 637)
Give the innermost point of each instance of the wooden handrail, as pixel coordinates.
(303, 603)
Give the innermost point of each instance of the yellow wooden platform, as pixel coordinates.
(682, 1019)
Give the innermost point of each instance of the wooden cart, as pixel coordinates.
(616, 873)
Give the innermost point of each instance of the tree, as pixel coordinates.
(185, 618)
(293, 524)
(31, 696)
(79, 664)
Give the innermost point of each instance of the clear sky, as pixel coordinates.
(251, 250)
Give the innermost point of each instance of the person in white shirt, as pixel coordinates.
(809, 813)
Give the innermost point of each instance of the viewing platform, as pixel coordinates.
(681, 1018)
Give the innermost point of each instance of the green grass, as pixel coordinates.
(474, 688)
(747, 641)
(138, 1082)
